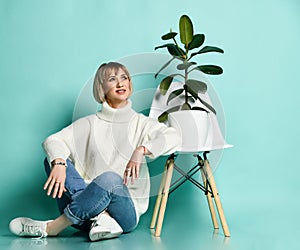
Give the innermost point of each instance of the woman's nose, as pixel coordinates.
(119, 83)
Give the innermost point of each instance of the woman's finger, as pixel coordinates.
(61, 190)
(47, 182)
(132, 174)
(127, 173)
(56, 188)
(50, 187)
(137, 171)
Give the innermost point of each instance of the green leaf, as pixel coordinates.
(174, 94)
(165, 84)
(197, 86)
(200, 109)
(164, 66)
(211, 49)
(169, 36)
(163, 46)
(192, 92)
(210, 69)
(208, 106)
(185, 65)
(207, 49)
(186, 30)
(197, 41)
(164, 116)
(175, 51)
(186, 106)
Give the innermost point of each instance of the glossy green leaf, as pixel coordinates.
(165, 84)
(175, 51)
(197, 86)
(169, 36)
(207, 49)
(210, 69)
(186, 30)
(197, 41)
(200, 109)
(164, 116)
(208, 106)
(186, 106)
(163, 46)
(211, 49)
(192, 92)
(185, 65)
(174, 94)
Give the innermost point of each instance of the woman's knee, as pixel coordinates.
(108, 180)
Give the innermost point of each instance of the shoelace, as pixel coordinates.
(34, 230)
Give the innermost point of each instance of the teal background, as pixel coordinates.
(49, 49)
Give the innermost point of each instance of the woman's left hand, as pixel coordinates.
(133, 166)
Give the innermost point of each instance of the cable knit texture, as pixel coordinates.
(106, 140)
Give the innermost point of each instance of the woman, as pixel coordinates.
(96, 167)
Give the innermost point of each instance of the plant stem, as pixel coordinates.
(186, 75)
(185, 86)
(179, 48)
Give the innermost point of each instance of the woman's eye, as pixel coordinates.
(124, 77)
(111, 79)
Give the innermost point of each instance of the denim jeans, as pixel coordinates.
(84, 201)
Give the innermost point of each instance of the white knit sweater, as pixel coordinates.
(105, 141)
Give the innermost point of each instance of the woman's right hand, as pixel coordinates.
(55, 183)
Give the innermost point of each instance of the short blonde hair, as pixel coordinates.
(102, 75)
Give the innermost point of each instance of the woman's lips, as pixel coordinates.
(121, 91)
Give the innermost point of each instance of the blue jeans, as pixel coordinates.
(107, 192)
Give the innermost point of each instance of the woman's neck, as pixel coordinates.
(116, 115)
(117, 105)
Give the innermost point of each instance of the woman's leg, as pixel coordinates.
(74, 185)
(59, 224)
(106, 192)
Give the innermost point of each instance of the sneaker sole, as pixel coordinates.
(103, 236)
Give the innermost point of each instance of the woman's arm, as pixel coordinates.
(160, 139)
(61, 146)
(157, 139)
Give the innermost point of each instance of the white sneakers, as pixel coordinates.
(104, 227)
(23, 226)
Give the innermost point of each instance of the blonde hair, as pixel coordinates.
(102, 75)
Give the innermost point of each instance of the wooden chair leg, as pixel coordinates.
(165, 195)
(159, 197)
(210, 202)
(215, 193)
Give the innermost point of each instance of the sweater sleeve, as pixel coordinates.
(160, 139)
(68, 142)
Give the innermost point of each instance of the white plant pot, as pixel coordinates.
(192, 126)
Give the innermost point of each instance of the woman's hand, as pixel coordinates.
(55, 183)
(133, 166)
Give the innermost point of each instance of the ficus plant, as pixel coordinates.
(191, 88)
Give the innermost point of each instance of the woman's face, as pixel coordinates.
(117, 89)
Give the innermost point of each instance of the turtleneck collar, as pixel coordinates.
(120, 115)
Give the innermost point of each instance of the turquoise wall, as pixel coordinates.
(49, 49)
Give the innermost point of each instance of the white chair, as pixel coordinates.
(214, 141)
